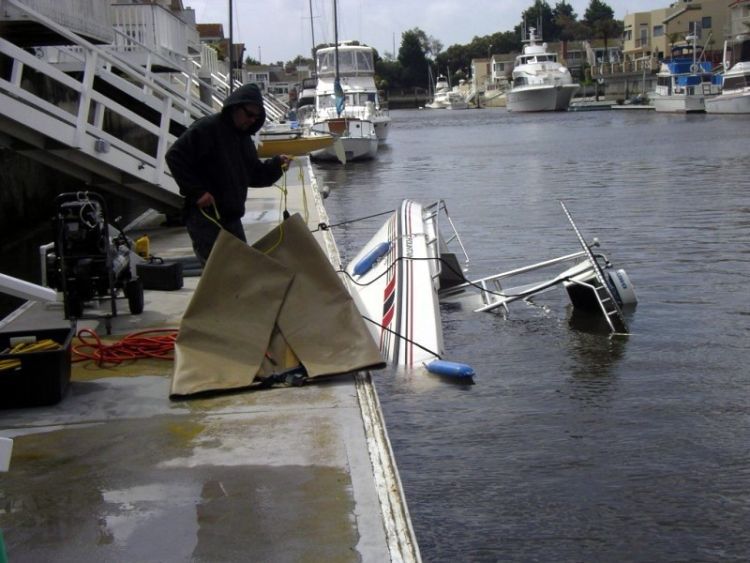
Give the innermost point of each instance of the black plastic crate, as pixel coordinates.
(43, 377)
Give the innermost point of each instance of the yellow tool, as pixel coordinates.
(24, 348)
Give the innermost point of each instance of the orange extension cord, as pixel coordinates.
(158, 344)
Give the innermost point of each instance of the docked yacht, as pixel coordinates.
(440, 95)
(735, 91)
(685, 82)
(356, 71)
(540, 83)
(445, 97)
(735, 88)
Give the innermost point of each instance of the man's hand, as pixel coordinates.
(205, 200)
(286, 161)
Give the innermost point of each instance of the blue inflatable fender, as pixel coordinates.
(450, 369)
(369, 259)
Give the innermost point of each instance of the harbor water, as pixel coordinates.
(573, 445)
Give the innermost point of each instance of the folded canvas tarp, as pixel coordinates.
(267, 308)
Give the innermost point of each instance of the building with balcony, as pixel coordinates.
(739, 20)
(91, 19)
(644, 35)
(159, 34)
(737, 42)
(651, 35)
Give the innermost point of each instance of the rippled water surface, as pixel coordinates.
(574, 446)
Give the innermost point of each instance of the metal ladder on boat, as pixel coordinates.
(606, 299)
(431, 214)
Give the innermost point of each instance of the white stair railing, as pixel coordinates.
(79, 122)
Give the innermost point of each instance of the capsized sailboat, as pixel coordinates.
(416, 261)
(394, 281)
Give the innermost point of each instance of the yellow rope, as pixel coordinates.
(207, 216)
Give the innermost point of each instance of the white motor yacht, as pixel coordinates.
(735, 89)
(540, 83)
(446, 97)
(440, 97)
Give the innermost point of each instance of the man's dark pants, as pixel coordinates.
(203, 231)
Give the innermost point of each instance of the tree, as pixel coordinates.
(596, 11)
(564, 9)
(412, 57)
(600, 19)
(567, 25)
(538, 16)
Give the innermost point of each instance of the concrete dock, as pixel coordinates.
(118, 472)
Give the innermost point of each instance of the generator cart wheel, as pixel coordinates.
(134, 293)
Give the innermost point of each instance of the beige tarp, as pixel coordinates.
(267, 308)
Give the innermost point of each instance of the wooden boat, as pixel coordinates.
(292, 142)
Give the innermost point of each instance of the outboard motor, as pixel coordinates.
(621, 286)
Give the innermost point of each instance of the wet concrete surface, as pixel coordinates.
(174, 488)
(118, 472)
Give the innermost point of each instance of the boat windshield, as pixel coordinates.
(353, 99)
(352, 62)
(531, 59)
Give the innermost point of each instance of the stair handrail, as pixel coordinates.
(103, 54)
(194, 78)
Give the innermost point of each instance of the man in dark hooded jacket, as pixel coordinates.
(215, 161)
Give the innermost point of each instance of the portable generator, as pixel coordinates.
(87, 263)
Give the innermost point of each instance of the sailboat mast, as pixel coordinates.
(336, 37)
(312, 29)
(231, 50)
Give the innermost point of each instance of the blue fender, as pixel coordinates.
(369, 259)
(450, 369)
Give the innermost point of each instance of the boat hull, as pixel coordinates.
(293, 146)
(398, 291)
(357, 136)
(679, 104)
(382, 127)
(729, 103)
(540, 98)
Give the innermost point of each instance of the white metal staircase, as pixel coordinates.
(87, 111)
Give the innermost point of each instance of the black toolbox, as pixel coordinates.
(160, 275)
(35, 378)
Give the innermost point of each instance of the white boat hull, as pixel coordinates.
(540, 98)
(382, 127)
(437, 104)
(356, 136)
(729, 103)
(398, 294)
(679, 104)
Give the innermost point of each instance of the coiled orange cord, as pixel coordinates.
(156, 343)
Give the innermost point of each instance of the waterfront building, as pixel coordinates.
(650, 35)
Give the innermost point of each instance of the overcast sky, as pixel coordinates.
(279, 30)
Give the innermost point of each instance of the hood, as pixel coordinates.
(246, 94)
